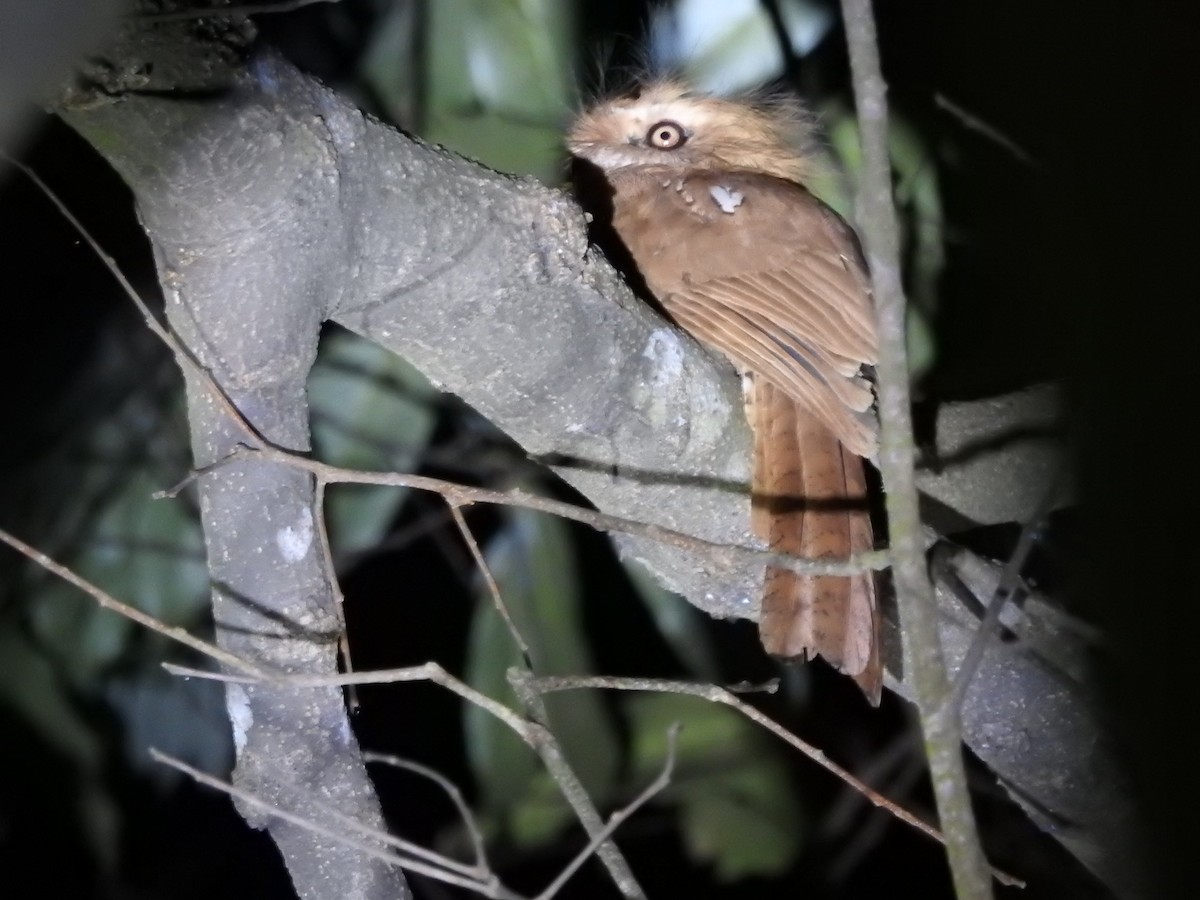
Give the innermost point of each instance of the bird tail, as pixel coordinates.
(809, 499)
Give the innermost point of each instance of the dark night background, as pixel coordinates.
(1063, 269)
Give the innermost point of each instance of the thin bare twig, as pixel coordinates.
(429, 671)
(183, 355)
(715, 694)
(723, 554)
(651, 790)
(534, 731)
(991, 132)
(546, 745)
(489, 888)
(339, 599)
(108, 601)
(1006, 587)
(876, 215)
(452, 791)
(479, 878)
(493, 587)
(414, 851)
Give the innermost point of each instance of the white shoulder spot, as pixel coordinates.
(726, 199)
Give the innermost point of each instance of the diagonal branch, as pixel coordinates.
(876, 215)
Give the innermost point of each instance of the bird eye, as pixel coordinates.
(666, 135)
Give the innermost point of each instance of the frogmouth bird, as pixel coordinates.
(707, 200)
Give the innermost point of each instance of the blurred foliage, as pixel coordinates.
(736, 809)
(497, 84)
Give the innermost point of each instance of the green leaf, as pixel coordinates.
(737, 809)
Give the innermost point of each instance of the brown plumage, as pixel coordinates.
(708, 200)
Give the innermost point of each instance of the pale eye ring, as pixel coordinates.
(666, 135)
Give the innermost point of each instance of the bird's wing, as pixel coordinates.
(763, 271)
